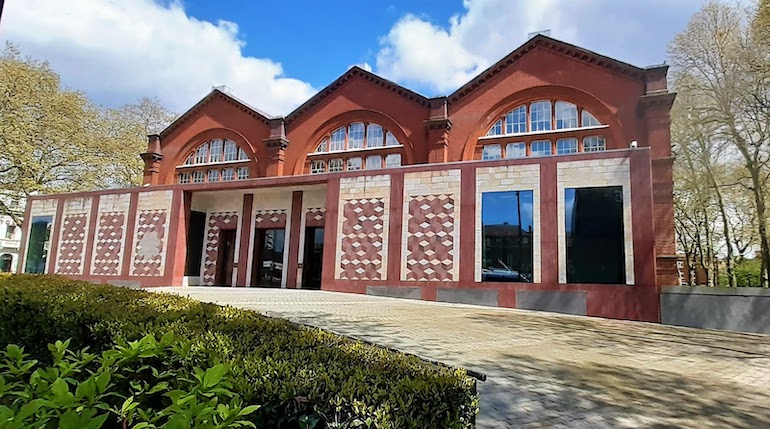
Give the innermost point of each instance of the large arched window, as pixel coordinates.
(543, 128)
(356, 146)
(217, 160)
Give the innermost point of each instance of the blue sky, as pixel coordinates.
(275, 55)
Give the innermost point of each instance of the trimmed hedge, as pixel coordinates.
(297, 374)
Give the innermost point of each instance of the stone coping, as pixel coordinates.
(703, 290)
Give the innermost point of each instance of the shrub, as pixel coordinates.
(301, 377)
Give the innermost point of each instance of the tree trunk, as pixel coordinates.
(729, 263)
(761, 223)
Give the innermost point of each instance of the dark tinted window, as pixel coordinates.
(594, 233)
(196, 232)
(37, 249)
(506, 219)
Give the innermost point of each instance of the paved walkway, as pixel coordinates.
(548, 370)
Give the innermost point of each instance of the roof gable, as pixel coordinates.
(356, 72)
(545, 42)
(211, 96)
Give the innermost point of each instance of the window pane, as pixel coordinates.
(491, 151)
(594, 144)
(337, 139)
(10, 231)
(317, 166)
(507, 225)
(497, 128)
(356, 136)
(197, 176)
(228, 174)
(190, 159)
(540, 116)
(216, 151)
(335, 165)
(213, 175)
(588, 120)
(374, 137)
(390, 140)
(594, 235)
(566, 146)
(184, 177)
(231, 150)
(516, 121)
(566, 115)
(393, 160)
(373, 162)
(37, 248)
(354, 163)
(242, 155)
(516, 150)
(243, 173)
(541, 148)
(323, 147)
(201, 155)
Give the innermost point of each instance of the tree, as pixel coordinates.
(719, 60)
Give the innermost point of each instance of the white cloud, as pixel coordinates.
(441, 58)
(117, 51)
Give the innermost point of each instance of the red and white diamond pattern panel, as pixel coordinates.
(431, 240)
(72, 244)
(315, 216)
(270, 218)
(108, 249)
(362, 239)
(149, 249)
(217, 222)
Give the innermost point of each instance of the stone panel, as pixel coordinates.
(741, 309)
(109, 246)
(44, 207)
(557, 302)
(395, 291)
(270, 218)
(468, 296)
(150, 233)
(596, 173)
(217, 221)
(510, 178)
(430, 241)
(362, 226)
(73, 236)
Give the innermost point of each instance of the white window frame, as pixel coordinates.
(541, 152)
(566, 115)
(371, 164)
(490, 152)
(242, 173)
(356, 133)
(355, 163)
(516, 121)
(515, 147)
(562, 147)
(337, 140)
(540, 116)
(228, 174)
(594, 144)
(393, 160)
(336, 165)
(375, 136)
(317, 166)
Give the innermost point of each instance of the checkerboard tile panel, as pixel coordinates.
(362, 239)
(315, 217)
(430, 242)
(270, 218)
(149, 248)
(217, 222)
(109, 243)
(72, 244)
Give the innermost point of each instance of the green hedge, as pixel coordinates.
(295, 373)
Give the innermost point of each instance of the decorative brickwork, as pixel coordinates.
(72, 244)
(315, 217)
(109, 244)
(362, 239)
(217, 222)
(431, 238)
(272, 218)
(149, 248)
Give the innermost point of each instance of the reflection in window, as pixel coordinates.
(507, 228)
(515, 150)
(243, 173)
(356, 136)
(317, 167)
(216, 151)
(337, 141)
(391, 140)
(374, 137)
(497, 128)
(323, 147)
(588, 120)
(184, 177)
(491, 151)
(566, 146)
(594, 235)
(516, 121)
(213, 175)
(541, 148)
(198, 177)
(393, 160)
(594, 144)
(201, 154)
(228, 174)
(354, 163)
(566, 115)
(10, 232)
(373, 162)
(540, 116)
(231, 151)
(335, 165)
(37, 248)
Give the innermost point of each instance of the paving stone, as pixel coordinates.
(546, 370)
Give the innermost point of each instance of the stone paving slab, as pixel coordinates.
(551, 370)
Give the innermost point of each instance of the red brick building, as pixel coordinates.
(543, 183)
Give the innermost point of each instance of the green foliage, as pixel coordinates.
(301, 377)
(135, 383)
(747, 274)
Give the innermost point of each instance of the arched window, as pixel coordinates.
(542, 128)
(217, 160)
(356, 146)
(5, 263)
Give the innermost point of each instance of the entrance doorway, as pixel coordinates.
(225, 256)
(267, 270)
(313, 260)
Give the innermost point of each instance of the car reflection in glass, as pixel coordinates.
(503, 273)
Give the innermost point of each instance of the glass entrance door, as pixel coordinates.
(311, 265)
(267, 270)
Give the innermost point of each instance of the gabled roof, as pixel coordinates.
(354, 72)
(216, 93)
(541, 41)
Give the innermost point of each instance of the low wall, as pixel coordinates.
(740, 309)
